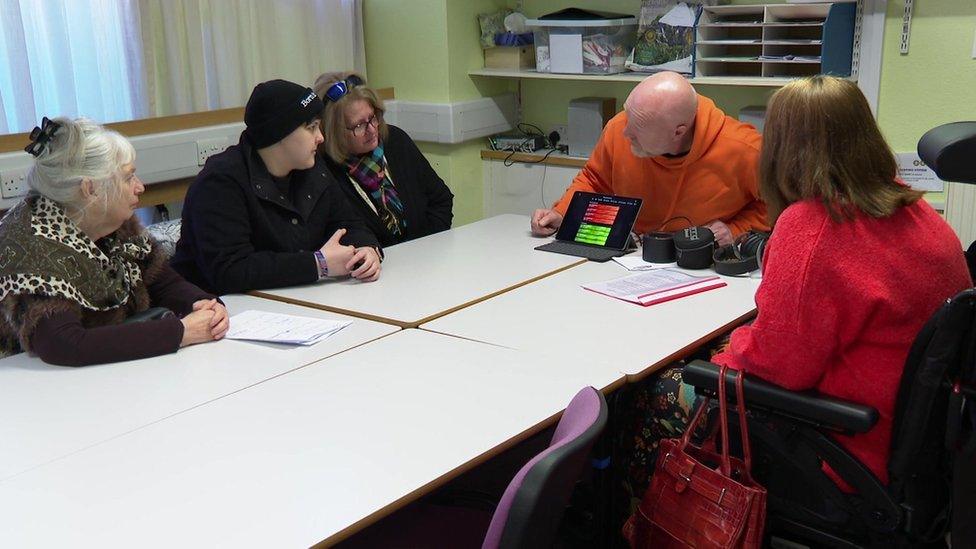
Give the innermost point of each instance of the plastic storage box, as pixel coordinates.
(583, 42)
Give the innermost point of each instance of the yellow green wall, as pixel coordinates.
(425, 53)
(424, 50)
(935, 82)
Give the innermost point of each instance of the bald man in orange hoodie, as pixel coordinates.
(692, 164)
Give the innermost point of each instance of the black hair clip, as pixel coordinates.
(41, 136)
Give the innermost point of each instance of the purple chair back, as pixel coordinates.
(529, 511)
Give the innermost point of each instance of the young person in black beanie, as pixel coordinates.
(266, 212)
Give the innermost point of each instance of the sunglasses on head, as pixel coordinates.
(342, 87)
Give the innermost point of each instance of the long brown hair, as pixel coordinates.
(821, 141)
(333, 126)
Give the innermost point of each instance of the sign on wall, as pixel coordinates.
(916, 174)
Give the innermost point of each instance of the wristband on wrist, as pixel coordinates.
(322, 265)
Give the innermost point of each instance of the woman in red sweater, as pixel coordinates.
(856, 264)
(857, 261)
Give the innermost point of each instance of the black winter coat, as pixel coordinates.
(241, 233)
(427, 202)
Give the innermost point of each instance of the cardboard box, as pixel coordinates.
(508, 57)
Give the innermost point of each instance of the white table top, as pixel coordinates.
(424, 278)
(47, 412)
(299, 458)
(556, 314)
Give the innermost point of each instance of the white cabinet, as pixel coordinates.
(521, 187)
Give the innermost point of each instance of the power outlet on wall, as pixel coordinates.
(209, 147)
(13, 183)
(563, 132)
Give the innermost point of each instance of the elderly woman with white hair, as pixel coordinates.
(75, 263)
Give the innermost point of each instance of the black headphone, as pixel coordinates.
(694, 247)
(658, 247)
(743, 256)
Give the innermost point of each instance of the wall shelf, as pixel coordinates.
(633, 77)
(777, 41)
(554, 159)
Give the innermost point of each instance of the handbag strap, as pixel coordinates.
(699, 417)
(723, 412)
(743, 423)
(694, 423)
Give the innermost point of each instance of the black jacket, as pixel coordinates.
(241, 233)
(427, 202)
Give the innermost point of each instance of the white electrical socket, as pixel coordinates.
(209, 147)
(13, 182)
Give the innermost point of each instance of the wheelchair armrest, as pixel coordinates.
(810, 407)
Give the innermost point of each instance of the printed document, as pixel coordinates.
(281, 328)
(637, 263)
(657, 286)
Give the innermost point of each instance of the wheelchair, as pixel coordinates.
(932, 465)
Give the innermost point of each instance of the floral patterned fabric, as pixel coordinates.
(659, 407)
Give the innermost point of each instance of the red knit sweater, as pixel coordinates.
(840, 304)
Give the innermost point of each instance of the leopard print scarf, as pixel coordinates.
(44, 253)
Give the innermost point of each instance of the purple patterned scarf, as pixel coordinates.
(369, 170)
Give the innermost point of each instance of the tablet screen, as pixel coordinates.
(599, 219)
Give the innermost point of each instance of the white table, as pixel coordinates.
(299, 458)
(428, 277)
(47, 412)
(557, 315)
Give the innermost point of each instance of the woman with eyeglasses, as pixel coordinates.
(76, 265)
(266, 212)
(379, 168)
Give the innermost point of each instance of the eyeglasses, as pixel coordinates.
(342, 87)
(359, 130)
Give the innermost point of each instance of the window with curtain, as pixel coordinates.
(113, 60)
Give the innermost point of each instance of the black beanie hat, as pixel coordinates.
(276, 108)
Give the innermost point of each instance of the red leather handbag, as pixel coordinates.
(699, 497)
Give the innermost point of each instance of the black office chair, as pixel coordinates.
(932, 433)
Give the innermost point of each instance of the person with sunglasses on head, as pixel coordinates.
(266, 212)
(379, 168)
(75, 264)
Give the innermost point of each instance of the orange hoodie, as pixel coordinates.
(717, 179)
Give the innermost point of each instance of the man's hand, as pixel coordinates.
(364, 265)
(723, 235)
(337, 255)
(545, 222)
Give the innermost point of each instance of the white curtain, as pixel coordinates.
(209, 54)
(67, 57)
(114, 60)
